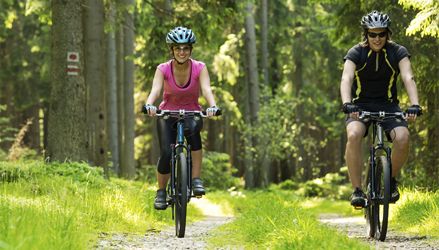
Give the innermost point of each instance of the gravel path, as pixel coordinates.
(166, 239)
(355, 227)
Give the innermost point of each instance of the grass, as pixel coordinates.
(67, 206)
(417, 212)
(275, 220)
(318, 206)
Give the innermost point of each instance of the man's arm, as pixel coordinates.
(409, 80)
(347, 79)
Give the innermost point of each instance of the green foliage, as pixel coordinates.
(217, 172)
(288, 185)
(76, 172)
(332, 185)
(426, 20)
(275, 220)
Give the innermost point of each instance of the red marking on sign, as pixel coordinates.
(72, 57)
(72, 70)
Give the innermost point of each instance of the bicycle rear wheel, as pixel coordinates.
(181, 195)
(383, 176)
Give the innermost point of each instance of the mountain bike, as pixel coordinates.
(179, 189)
(378, 175)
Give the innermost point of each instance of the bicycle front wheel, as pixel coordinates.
(181, 195)
(383, 176)
(369, 209)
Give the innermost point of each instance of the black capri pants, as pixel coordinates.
(167, 133)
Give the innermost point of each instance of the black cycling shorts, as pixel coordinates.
(388, 124)
(167, 135)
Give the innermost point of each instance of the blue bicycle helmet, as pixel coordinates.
(180, 35)
(375, 19)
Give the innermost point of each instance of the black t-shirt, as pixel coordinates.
(376, 73)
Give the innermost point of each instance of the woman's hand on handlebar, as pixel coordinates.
(212, 111)
(149, 109)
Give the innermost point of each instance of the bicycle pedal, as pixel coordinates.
(198, 196)
(358, 207)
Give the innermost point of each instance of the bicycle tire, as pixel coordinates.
(368, 214)
(181, 195)
(383, 190)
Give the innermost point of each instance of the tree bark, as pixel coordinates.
(93, 73)
(127, 167)
(253, 85)
(67, 139)
(264, 41)
(120, 93)
(112, 114)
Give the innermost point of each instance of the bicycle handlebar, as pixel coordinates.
(185, 113)
(381, 115)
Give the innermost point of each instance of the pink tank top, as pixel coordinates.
(177, 97)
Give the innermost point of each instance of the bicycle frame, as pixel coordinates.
(176, 149)
(377, 146)
(179, 189)
(378, 176)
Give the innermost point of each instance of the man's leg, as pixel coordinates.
(400, 148)
(355, 132)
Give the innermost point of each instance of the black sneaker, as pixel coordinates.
(197, 187)
(394, 193)
(358, 199)
(160, 200)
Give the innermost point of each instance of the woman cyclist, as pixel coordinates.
(369, 83)
(181, 78)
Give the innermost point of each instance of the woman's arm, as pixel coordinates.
(205, 87)
(157, 84)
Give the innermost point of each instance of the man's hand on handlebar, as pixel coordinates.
(351, 109)
(413, 111)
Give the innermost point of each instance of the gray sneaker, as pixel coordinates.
(394, 193)
(197, 187)
(358, 199)
(160, 200)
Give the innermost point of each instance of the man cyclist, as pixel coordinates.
(369, 83)
(182, 78)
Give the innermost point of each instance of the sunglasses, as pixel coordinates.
(373, 35)
(185, 49)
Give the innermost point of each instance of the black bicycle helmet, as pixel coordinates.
(180, 35)
(374, 20)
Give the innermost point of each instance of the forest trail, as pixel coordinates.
(166, 239)
(355, 227)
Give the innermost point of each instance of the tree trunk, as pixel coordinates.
(67, 139)
(127, 167)
(432, 164)
(253, 85)
(264, 41)
(93, 73)
(112, 113)
(120, 93)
